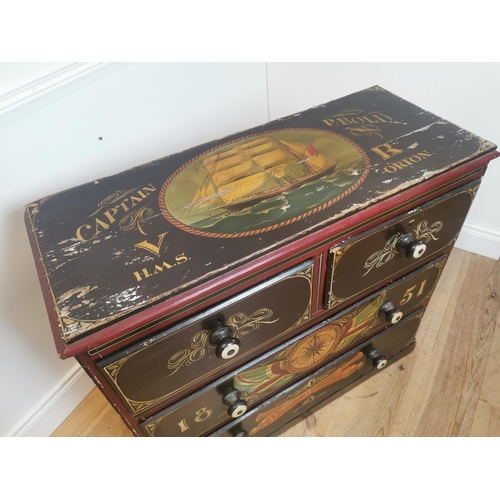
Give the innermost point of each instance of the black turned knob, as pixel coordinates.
(378, 360)
(392, 315)
(413, 248)
(237, 406)
(226, 346)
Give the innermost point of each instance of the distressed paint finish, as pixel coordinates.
(108, 249)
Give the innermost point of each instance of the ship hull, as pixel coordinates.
(237, 206)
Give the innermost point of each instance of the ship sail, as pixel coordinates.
(239, 171)
(308, 155)
(255, 170)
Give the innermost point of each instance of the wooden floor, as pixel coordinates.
(449, 386)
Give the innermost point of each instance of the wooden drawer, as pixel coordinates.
(373, 258)
(159, 368)
(244, 388)
(373, 354)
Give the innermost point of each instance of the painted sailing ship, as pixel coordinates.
(257, 170)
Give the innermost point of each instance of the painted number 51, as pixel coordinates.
(410, 292)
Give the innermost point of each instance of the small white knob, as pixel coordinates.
(237, 405)
(418, 250)
(229, 351)
(392, 314)
(396, 317)
(378, 360)
(238, 410)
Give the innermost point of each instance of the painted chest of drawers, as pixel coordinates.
(227, 289)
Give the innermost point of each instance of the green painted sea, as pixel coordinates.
(279, 208)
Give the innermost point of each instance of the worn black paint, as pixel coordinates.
(93, 282)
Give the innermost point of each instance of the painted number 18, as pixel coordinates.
(201, 414)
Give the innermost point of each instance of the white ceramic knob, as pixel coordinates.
(229, 349)
(238, 409)
(418, 249)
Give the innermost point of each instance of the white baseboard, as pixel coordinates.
(479, 240)
(28, 89)
(57, 406)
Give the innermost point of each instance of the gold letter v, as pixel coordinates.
(150, 247)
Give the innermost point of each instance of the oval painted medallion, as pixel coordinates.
(262, 182)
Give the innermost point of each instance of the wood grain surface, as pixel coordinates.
(449, 386)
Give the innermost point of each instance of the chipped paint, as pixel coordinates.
(92, 282)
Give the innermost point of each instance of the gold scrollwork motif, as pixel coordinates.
(186, 357)
(150, 428)
(76, 323)
(473, 190)
(133, 220)
(242, 324)
(381, 257)
(423, 232)
(483, 146)
(112, 198)
(426, 233)
(34, 207)
(349, 112)
(365, 131)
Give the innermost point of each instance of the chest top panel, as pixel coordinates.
(120, 243)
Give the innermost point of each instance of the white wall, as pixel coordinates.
(144, 111)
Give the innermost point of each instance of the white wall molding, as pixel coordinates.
(28, 89)
(56, 406)
(479, 240)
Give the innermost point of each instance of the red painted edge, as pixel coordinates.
(256, 266)
(319, 274)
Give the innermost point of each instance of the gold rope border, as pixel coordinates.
(188, 229)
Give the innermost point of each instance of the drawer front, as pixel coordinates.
(159, 368)
(268, 417)
(371, 259)
(213, 405)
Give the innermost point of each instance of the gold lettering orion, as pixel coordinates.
(398, 165)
